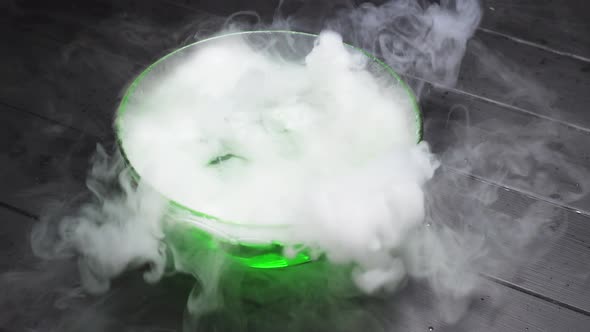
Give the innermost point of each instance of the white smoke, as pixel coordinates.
(352, 202)
(416, 38)
(117, 228)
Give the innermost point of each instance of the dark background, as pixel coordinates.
(64, 65)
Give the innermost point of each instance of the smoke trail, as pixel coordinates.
(119, 226)
(420, 39)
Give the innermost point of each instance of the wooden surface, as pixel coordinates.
(64, 67)
(562, 27)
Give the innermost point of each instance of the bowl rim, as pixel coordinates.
(122, 107)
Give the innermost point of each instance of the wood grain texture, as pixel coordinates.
(544, 249)
(132, 304)
(536, 156)
(75, 72)
(559, 25)
(44, 158)
(40, 160)
(74, 86)
(531, 79)
(495, 67)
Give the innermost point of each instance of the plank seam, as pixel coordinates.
(536, 45)
(18, 211)
(536, 295)
(42, 117)
(522, 192)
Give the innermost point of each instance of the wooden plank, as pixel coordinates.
(559, 25)
(527, 78)
(533, 246)
(77, 87)
(534, 155)
(133, 304)
(495, 67)
(151, 30)
(40, 160)
(490, 142)
(493, 309)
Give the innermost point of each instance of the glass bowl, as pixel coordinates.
(193, 229)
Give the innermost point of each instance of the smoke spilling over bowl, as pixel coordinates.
(257, 246)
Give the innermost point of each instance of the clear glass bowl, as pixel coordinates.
(199, 231)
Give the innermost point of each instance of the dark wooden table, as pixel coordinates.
(525, 80)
